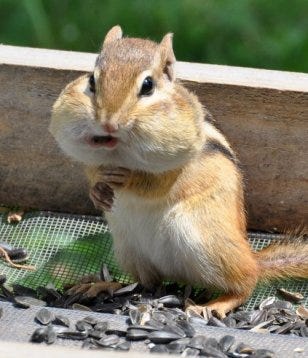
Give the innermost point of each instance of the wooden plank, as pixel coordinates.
(27, 350)
(263, 113)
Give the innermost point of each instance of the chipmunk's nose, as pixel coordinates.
(110, 127)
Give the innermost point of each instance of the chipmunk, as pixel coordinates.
(167, 179)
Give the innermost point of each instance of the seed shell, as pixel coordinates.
(44, 316)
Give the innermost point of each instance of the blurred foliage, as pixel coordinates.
(254, 33)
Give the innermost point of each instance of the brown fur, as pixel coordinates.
(188, 179)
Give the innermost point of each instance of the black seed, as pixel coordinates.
(135, 316)
(190, 352)
(118, 332)
(2, 279)
(91, 320)
(210, 351)
(51, 335)
(20, 290)
(44, 316)
(88, 343)
(226, 343)
(243, 348)
(170, 301)
(145, 327)
(18, 255)
(178, 346)
(136, 334)
(125, 290)
(229, 322)
(79, 307)
(101, 326)
(108, 341)
(123, 346)
(215, 322)
(175, 329)
(61, 320)
(39, 335)
(83, 326)
(159, 348)
(96, 334)
(187, 328)
(163, 337)
(27, 301)
(74, 335)
(197, 342)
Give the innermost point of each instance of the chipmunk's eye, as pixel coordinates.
(147, 87)
(92, 83)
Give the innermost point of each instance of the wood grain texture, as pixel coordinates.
(263, 113)
(30, 350)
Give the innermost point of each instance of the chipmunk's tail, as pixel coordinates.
(284, 258)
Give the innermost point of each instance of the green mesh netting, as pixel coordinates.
(66, 247)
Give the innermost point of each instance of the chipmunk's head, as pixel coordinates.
(130, 111)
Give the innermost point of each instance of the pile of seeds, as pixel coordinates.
(166, 331)
(272, 315)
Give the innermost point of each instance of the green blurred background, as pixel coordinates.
(269, 34)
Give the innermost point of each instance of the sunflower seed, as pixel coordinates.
(61, 320)
(190, 352)
(74, 335)
(125, 290)
(290, 296)
(90, 320)
(44, 316)
(187, 328)
(136, 334)
(215, 322)
(197, 342)
(265, 303)
(101, 326)
(108, 341)
(170, 301)
(78, 307)
(27, 301)
(95, 334)
(163, 337)
(210, 351)
(39, 335)
(123, 346)
(302, 312)
(51, 335)
(243, 348)
(178, 346)
(159, 348)
(263, 353)
(83, 326)
(226, 343)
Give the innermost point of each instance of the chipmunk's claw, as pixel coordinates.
(102, 196)
(92, 289)
(116, 177)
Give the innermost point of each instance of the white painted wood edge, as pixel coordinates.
(31, 350)
(196, 72)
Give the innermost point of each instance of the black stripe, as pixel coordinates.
(214, 146)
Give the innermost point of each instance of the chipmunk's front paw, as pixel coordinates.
(102, 196)
(116, 178)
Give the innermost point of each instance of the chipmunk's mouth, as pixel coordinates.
(98, 141)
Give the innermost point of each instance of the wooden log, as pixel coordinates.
(263, 114)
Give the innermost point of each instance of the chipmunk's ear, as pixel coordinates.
(164, 57)
(115, 33)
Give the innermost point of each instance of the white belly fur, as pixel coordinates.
(153, 241)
